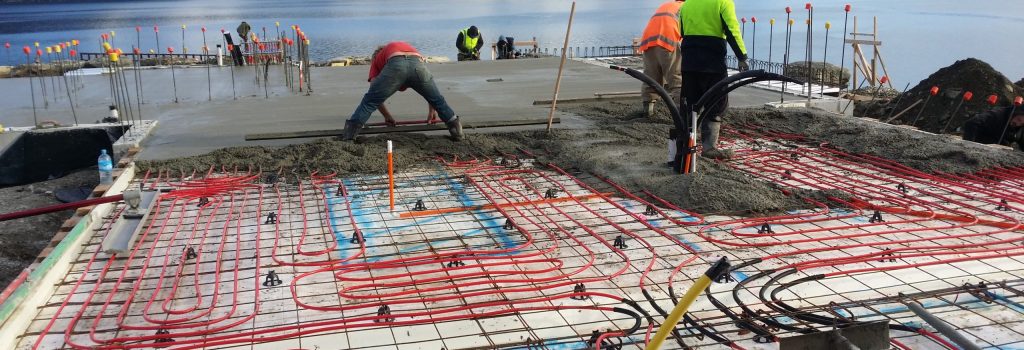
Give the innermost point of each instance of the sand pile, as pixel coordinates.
(967, 75)
(928, 153)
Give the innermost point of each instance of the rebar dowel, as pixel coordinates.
(53, 81)
(137, 65)
(42, 80)
(785, 57)
(67, 89)
(753, 44)
(174, 80)
(842, 61)
(810, 44)
(1013, 111)
(209, 81)
(771, 39)
(32, 85)
(824, 61)
(898, 100)
(138, 44)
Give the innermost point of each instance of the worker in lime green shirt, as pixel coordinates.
(708, 26)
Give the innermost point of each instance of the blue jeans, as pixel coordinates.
(402, 71)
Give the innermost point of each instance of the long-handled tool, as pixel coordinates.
(1013, 110)
(703, 282)
(966, 98)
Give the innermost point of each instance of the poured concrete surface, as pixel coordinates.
(196, 125)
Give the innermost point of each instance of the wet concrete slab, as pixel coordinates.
(216, 115)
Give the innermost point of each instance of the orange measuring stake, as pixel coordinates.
(391, 178)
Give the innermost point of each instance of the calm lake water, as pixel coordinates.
(920, 36)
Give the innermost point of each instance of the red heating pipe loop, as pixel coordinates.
(78, 283)
(208, 323)
(203, 324)
(806, 265)
(650, 265)
(146, 311)
(145, 267)
(949, 261)
(537, 192)
(352, 222)
(325, 326)
(217, 203)
(333, 243)
(620, 189)
(417, 301)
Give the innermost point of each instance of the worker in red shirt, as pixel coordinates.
(662, 61)
(397, 66)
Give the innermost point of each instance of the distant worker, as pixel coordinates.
(707, 26)
(469, 43)
(994, 126)
(243, 31)
(662, 61)
(396, 67)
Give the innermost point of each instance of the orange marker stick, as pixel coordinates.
(391, 177)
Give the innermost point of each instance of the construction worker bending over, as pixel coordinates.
(995, 126)
(396, 67)
(469, 43)
(707, 27)
(662, 61)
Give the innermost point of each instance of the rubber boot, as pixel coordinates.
(649, 109)
(709, 131)
(455, 128)
(351, 130)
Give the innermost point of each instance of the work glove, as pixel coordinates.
(743, 66)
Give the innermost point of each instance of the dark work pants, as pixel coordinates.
(695, 84)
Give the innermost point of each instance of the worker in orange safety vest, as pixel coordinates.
(660, 48)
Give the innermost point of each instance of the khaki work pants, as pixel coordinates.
(666, 68)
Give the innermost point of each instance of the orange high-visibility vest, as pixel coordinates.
(663, 28)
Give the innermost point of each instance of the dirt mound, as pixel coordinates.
(971, 75)
(821, 73)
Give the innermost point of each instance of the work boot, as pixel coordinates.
(351, 130)
(717, 154)
(455, 128)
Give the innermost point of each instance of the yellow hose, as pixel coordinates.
(720, 267)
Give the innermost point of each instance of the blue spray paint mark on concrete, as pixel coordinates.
(362, 215)
(485, 219)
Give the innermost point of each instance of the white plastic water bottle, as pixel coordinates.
(106, 166)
